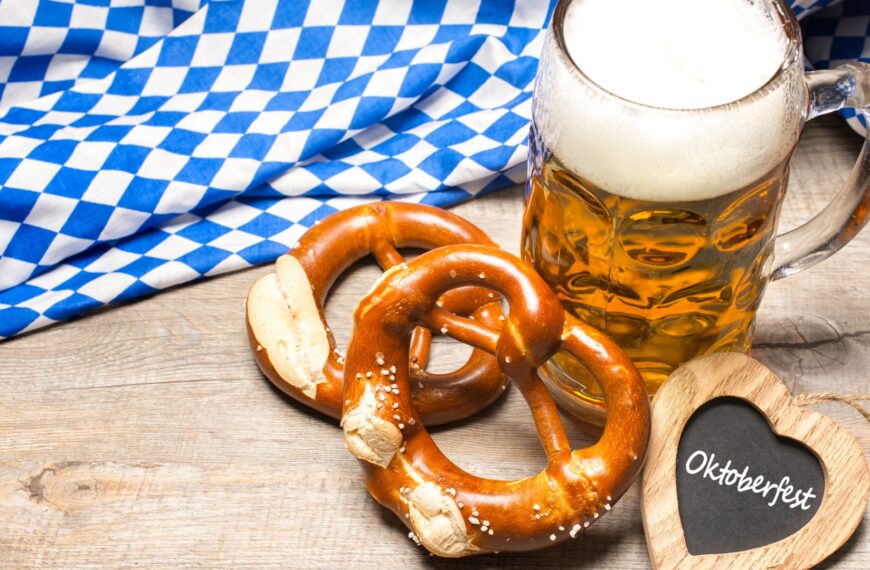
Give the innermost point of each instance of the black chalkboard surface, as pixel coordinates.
(739, 486)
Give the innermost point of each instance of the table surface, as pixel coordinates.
(144, 434)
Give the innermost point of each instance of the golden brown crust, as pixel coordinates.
(451, 512)
(304, 276)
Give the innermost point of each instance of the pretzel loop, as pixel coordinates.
(451, 512)
(294, 346)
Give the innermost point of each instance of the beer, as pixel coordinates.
(651, 205)
(666, 280)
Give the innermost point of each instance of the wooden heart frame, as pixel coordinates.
(847, 478)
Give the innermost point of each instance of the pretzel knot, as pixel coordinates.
(451, 512)
(294, 346)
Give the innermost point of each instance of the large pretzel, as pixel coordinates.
(294, 346)
(451, 512)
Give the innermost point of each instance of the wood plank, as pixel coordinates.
(144, 435)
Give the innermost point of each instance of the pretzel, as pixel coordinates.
(451, 512)
(294, 346)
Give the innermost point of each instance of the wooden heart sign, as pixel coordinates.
(748, 477)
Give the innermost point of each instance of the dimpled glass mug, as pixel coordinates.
(657, 172)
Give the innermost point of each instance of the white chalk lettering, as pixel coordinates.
(808, 494)
(782, 492)
(703, 457)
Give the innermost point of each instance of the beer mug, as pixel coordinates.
(652, 202)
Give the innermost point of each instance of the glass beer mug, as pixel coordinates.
(653, 195)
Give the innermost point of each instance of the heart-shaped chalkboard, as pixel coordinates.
(725, 435)
(739, 485)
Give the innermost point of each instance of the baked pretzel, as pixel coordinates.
(294, 346)
(451, 512)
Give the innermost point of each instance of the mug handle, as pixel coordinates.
(847, 86)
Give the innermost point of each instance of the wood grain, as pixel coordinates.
(144, 435)
(847, 479)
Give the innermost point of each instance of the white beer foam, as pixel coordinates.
(669, 55)
(681, 54)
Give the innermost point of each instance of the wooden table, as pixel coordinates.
(144, 435)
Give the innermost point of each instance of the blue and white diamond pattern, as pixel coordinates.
(173, 160)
